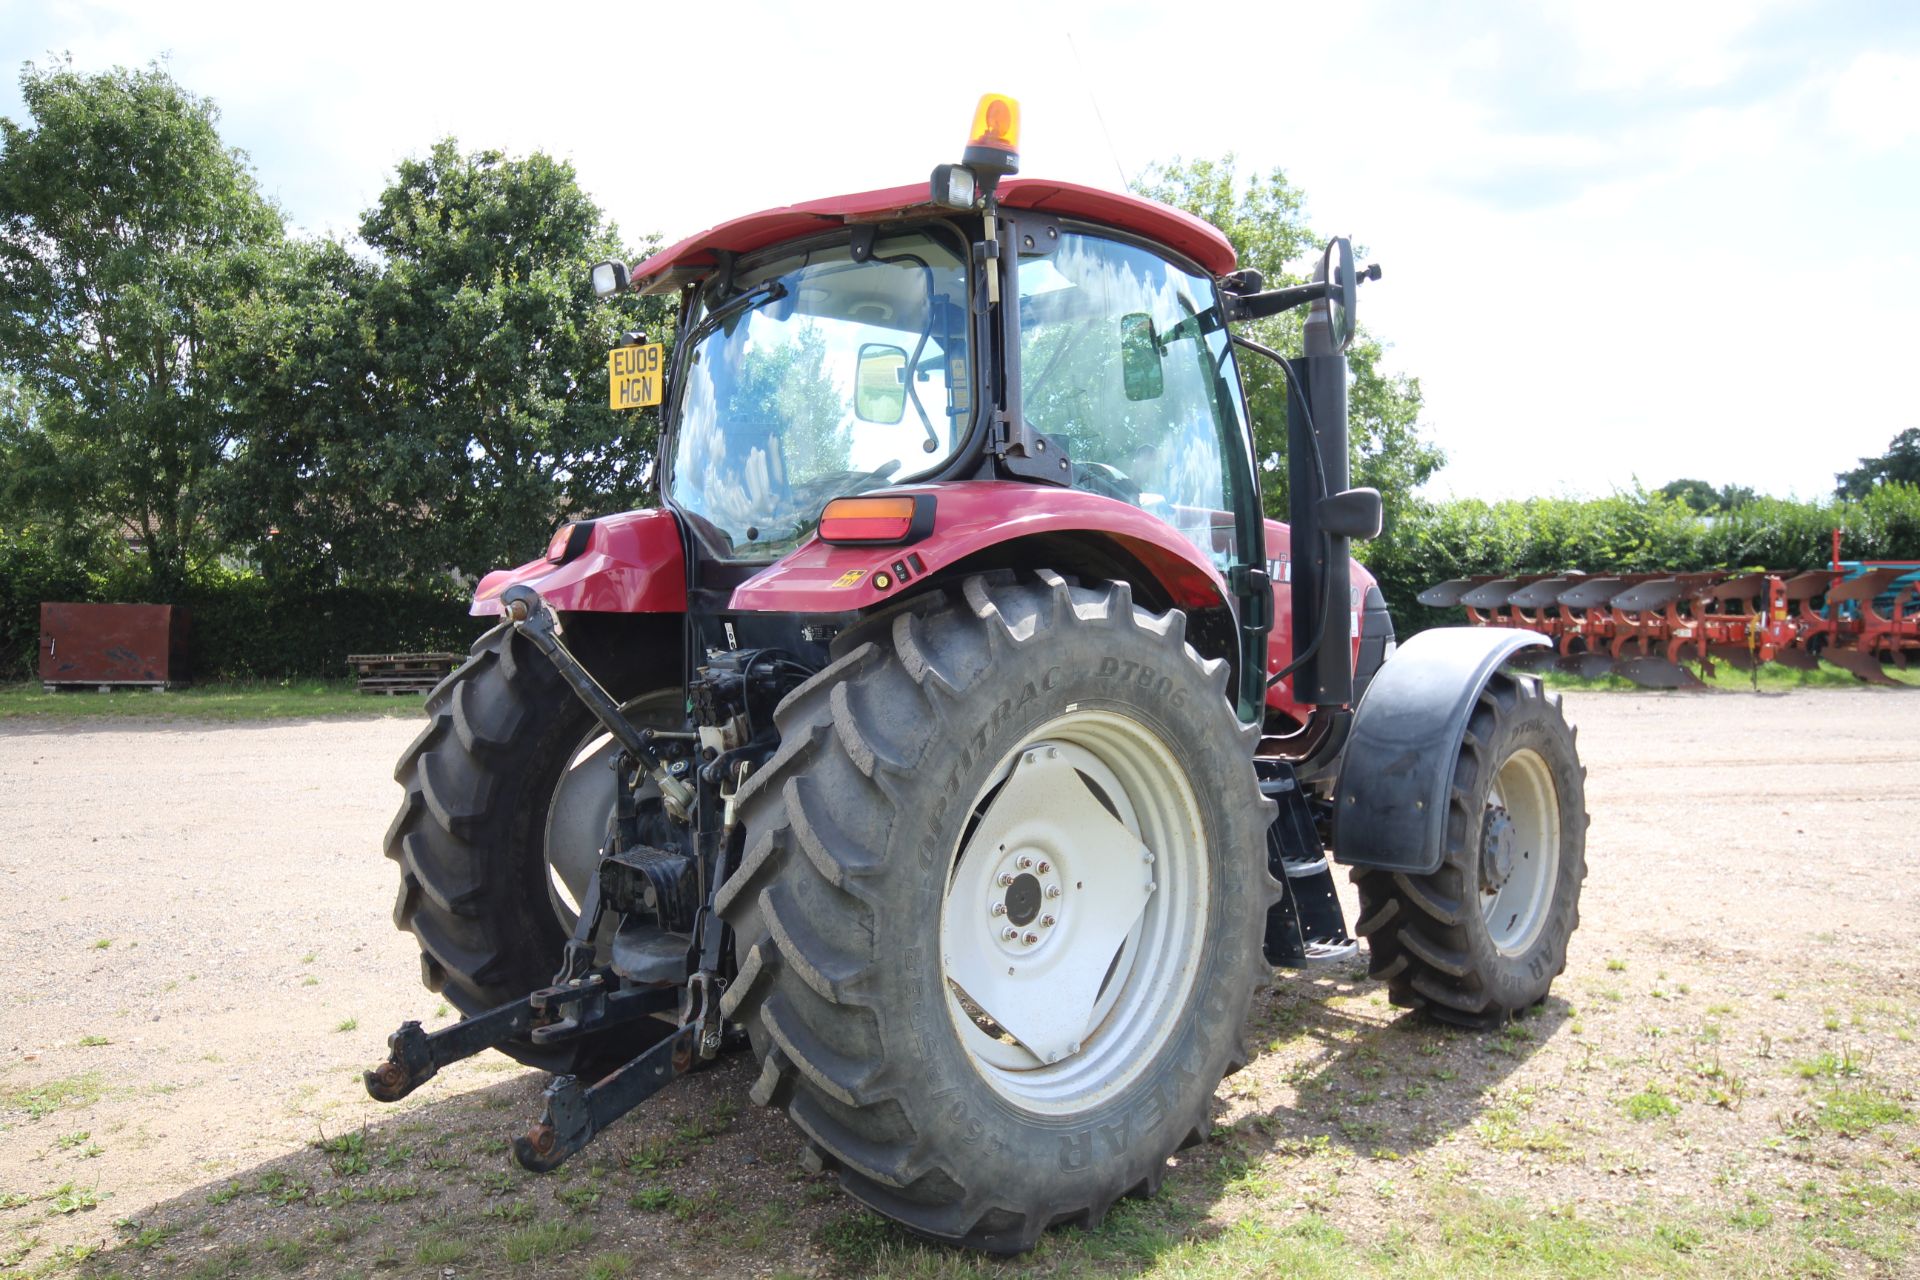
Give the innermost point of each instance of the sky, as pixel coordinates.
(1621, 242)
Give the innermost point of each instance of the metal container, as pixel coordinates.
(113, 644)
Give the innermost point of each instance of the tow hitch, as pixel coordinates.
(586, 999)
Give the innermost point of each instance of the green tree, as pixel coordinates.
(484, 413)
(127, 229)
(1702, 498)
(307, 493)
(1264, 216)
(1900, 464)
(1697, 494)
(444, 406)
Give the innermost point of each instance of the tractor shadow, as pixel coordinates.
(699, 1181)
(696, 1182)
(1336, 1066)
(1337, 1077)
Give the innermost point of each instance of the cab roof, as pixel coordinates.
(694, 257)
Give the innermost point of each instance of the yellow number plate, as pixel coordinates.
(634, 376)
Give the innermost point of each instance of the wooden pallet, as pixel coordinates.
(397, 673)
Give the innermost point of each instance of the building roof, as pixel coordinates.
(694, 256)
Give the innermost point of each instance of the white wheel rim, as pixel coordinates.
(583, 802)
(1515, 906)
(1084, 1007)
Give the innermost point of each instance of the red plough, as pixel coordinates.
(1653, 628)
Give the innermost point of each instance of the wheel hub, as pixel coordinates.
(1025, 899)
(1497, 840)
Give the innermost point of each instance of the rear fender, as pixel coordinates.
(1390, 804)
(973, 519)
(632, 563)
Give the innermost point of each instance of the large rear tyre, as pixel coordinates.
(1483, 937)
(508, 794)
(1000, 907)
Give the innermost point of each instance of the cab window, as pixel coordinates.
(1125, 360)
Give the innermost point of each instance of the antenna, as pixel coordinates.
(1126, 183)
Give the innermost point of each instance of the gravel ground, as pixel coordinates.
(197, 962)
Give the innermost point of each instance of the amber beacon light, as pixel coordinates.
(994, 144)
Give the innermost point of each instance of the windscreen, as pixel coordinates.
(819, 376)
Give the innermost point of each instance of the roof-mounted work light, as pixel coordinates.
(608, 278)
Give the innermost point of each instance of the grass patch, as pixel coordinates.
(288, 1255)
(41, 1100)
(609, 1266)
(859, 1240)
(240, 701)
(346, 1154)
(514, 1211)
(580, 1199)
(1831, 1066)
(441, 1251)
(546, 1240)
(652, 1199)
(1650, 1103)
(1770, 676)
(1853, 1112)
(71, 1198)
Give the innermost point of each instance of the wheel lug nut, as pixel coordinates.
(1047, 921)
(1032, 938)
(1005, 880)
(1148, 856)
(999, 909)
(1053, 891)
(1044, 867)
(1023, 862)
(1010, 934)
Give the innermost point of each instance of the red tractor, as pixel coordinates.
(942, 736)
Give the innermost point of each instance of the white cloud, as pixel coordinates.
(1634, 44)
(1876, 101)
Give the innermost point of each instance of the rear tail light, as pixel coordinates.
(877, 521)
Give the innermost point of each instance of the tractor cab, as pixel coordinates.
(979, 329)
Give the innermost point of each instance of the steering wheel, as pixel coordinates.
(1107, 481)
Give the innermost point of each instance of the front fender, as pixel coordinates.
(632, 563)
(1390, 804)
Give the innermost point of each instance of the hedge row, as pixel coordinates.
(1629, 533)
(242, 627)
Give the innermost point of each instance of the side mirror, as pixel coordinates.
(1336, 268)
(1140, 369)
(880, 384)
(609, 278)
(1352, 513)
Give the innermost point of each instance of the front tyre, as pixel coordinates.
(1484, 936)
(1001, 903)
